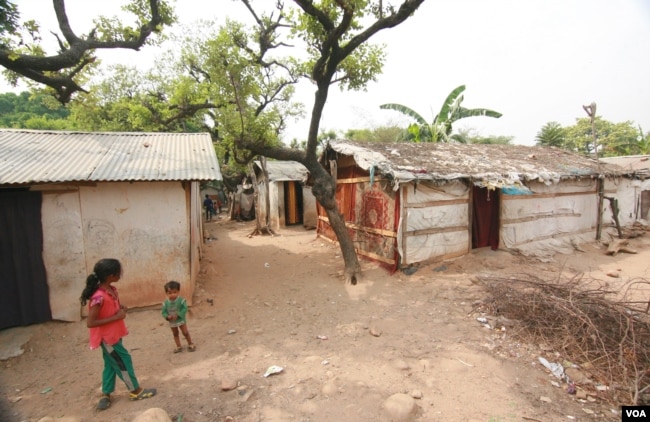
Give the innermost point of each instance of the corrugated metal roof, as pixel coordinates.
(282, 171)
(31, 156)
(485, 165)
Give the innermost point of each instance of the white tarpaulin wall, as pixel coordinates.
(632, 193)
(552, 219)
(629, 193)
(433, 221)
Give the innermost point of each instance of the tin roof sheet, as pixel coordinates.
(36, 156)
(282, 171)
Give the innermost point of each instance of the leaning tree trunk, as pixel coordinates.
(352, 271)
(324, 190)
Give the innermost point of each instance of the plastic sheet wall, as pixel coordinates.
(553, 219)
(434, 222)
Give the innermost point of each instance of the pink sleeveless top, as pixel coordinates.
(112, 332)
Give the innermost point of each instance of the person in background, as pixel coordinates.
(209, 207)
(107, 328)
(174, 310)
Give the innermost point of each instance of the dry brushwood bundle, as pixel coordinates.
(596, 327)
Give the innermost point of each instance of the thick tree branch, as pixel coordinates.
(278, 153)
(187, 110)
(48, 70)
(407, 8)
(64, 25)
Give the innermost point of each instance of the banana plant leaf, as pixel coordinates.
(405, 110)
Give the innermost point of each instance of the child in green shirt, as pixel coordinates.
(174, 309)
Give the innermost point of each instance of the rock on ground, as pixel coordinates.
(399, 407)
(155, 414)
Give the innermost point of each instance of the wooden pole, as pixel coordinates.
(591, 112)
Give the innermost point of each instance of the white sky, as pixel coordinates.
(535, 61)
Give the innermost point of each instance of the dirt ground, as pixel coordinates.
(391, 344)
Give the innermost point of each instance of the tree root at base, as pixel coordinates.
(262, 231)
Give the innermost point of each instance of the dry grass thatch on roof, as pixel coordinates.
(496, 165)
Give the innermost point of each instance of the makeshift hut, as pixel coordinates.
(68, 199)
(290, 202)
(408, 203)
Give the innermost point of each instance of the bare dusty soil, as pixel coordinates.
(347, 353)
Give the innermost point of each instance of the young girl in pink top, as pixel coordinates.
(106, 323)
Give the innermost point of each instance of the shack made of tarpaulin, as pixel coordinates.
(407, 203)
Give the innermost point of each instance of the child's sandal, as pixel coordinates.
(191, 347)
(178, 349)
(104, 403)
(144, 394)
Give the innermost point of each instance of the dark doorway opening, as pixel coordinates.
(485, 218)
(293, 203)
(25, 295)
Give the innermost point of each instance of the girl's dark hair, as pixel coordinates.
(103, 268)
(172, 285)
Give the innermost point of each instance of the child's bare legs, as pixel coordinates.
(177, 338)
(186, 334)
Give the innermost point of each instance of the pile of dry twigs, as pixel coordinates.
(606, 331)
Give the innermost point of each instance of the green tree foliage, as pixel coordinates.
(468, 136)
(126, 99)
(296, 144)
(624, 139)
(36, 110)
(382, 134)
(439, 130)
(643, 143)
(390, 134)
(612, 139)
(494, 140)
(327, 135)
(552, 134)
(247, 86)
(9, 18)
